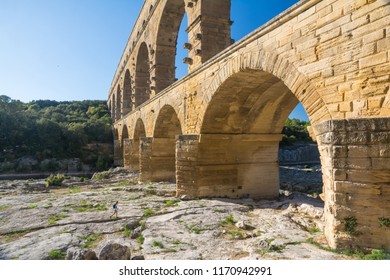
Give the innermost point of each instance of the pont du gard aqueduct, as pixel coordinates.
(216, 131)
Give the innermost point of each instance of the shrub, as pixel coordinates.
(126, 231)
(54, 218)
(56, 255)
(148, 212)
(55, 180)
(378, 255)
(91, 240)
(141, 239)
(101, 175)
(230, 220)
(158, 244)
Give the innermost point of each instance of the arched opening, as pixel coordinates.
(299, 158)
(139, 132)
(240, 135)
(163, 163)
(125, 146)
(181, 69)
(118, 107)
(142, 76)
(127, 94)
(166, 42)
(167, 124)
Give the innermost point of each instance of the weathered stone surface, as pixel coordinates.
(358, 174)
(114, 251)
(36, 223)
(136, 233)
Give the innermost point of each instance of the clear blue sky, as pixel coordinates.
(69, 49)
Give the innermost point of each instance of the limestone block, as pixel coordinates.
(374, 36)
(333, 24)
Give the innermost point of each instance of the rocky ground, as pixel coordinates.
(73, 221)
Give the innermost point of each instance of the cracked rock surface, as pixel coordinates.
(74, 219)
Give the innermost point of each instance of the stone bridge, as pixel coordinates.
(216, 131)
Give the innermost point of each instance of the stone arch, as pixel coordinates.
(127, 94)
(248, 102)
(166, 42)
(139, 130)
(158, 161)
(274, 69)
(125, 133)
(138, 134)
(118, 105)
(142, 75)
(167, 124)
(245, 100)
(208, 29)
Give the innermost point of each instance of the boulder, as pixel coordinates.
(90, 255)
(75, 253)
(114, 251)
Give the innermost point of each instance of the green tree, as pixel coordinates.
(294, 131)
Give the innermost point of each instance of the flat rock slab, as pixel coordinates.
(76, 217)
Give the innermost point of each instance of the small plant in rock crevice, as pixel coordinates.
(313, 229)
(195, 229)
(157, 244)
(57, 255)
(230, 220)
(148, 212)
(126, 231)
(170, 202)
(384, 222)
(350, 224)
(3, 207)
(54, 218)
(91, 240)
(141, 239)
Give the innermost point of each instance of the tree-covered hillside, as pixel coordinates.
(36, 136)
(48, 131)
